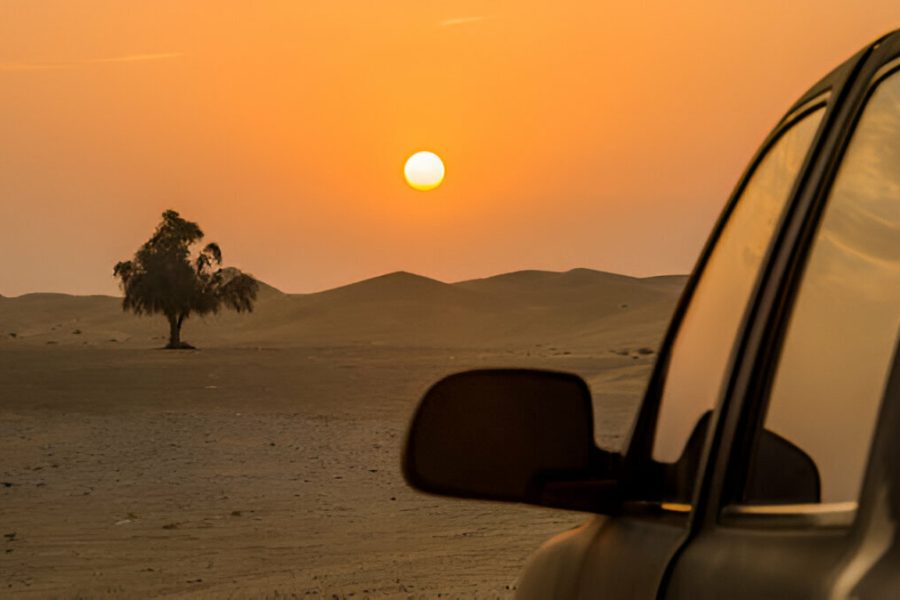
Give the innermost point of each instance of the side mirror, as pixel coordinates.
(515, 435)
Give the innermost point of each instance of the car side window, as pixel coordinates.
(839, 341)
(699, 357)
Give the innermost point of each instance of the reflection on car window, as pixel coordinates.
(840, 339)
(701, 350)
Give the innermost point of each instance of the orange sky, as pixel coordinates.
(595, 134)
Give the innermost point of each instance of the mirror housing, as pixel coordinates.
(514, 435)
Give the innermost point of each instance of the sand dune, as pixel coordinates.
(578, 308)
(267, 465)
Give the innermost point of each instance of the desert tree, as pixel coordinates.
(166, 277)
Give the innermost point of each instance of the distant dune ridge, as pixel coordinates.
(573, 309)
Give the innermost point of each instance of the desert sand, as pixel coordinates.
(266, 463)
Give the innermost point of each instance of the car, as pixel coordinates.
(764, 460)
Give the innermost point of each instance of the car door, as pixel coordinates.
(807, 399)
(628, 555)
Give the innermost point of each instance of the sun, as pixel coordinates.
(424, 171)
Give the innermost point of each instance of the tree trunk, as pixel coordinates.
(174, 332)
(175, 323)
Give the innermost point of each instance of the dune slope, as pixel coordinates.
(577, 308)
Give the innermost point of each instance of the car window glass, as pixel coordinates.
(704, 341)
(843, 327)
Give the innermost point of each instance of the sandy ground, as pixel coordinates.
(253, 473)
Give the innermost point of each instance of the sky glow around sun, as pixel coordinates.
(582, 134)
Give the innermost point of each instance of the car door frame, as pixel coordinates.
(766, 555)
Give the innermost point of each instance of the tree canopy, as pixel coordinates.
(166, 278)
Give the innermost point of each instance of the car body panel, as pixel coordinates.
(601, 555)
